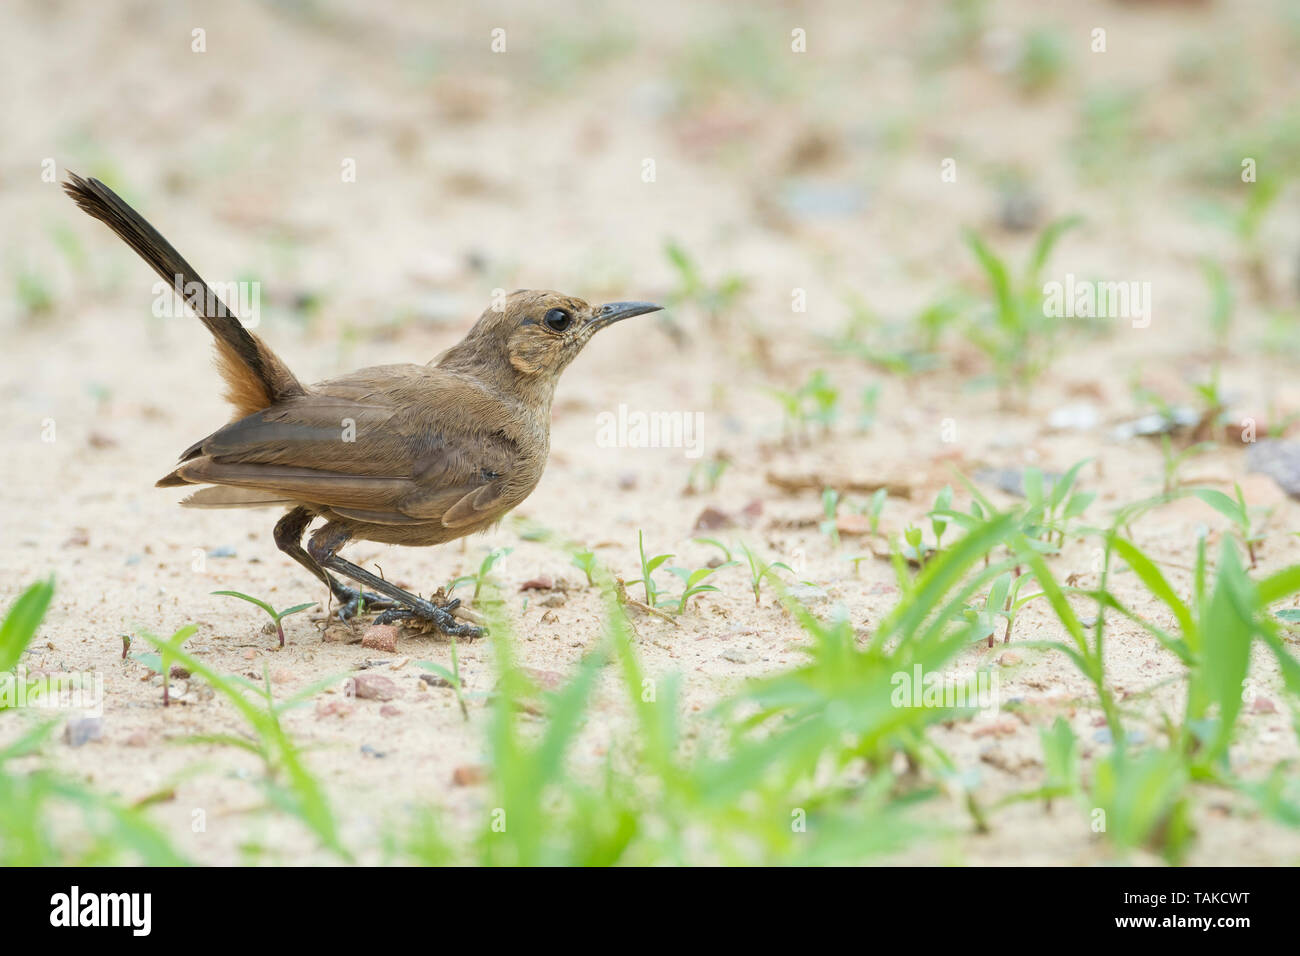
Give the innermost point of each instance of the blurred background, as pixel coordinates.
(850, 210)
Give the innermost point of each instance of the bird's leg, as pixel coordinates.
(323, 548)
(288, 538)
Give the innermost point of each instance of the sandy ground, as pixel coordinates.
(478, 171)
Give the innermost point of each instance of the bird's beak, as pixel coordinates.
(612, 312)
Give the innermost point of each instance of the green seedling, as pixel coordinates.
(1245, 225)
(480, 576)
(1221, 303)
(1018, 336)
(760, 571)
(1041, 61)
(161, 661)
(1214, 408)
(814, 403)
(824, 400)
(692, 582)
(829, 525)
(870, 399)
(1110, 138)
(715, 299)
(33, 294)
(1235, 510)
(938, 521)
(902, 348)
(1060, 761)
(276, 616)
(648, 568)
(714, 542)
(705, 475)
(875, 507)
(1173, 461)
(917, 551)
(452, 677)
(585, 561)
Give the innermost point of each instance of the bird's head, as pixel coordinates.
(539, 332)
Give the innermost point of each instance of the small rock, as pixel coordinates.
(180, 672)
(1079, 417)
(369, 751)
(803, 199)
(83, 730)
(853, 524)
(739, 655)
(1004, 727)
(1007, 658)
(543, 582)
(711, 519)
(554, 600)
(469, 775)
(250, 654)
(435, 680)
(627, 480)
(225, 551)
(390, 710)
(1157, 423)
(807, 594)
(1263, 705)
(334, 708)
(380, 637)
(282, 676)
(1012, 480)
(1278, 459)
(368, 686)
(138, 739)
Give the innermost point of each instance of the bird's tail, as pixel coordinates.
(255, 376)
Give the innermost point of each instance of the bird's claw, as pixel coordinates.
(351, 606)
(440, 616)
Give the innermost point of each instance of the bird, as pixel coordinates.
(403, 454)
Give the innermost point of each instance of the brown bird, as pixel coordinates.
(401, 454)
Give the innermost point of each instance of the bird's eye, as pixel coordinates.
(557, 320)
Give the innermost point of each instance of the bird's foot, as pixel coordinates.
(439, 616)
(353, 602)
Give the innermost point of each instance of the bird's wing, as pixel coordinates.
(351, 447)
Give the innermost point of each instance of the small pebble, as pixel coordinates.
(368, 686)
(380, 637)
(83, 730)
(469, 775)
